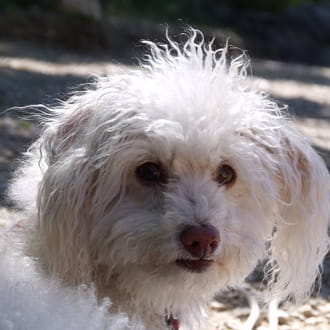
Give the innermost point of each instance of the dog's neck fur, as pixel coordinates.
(123, 300)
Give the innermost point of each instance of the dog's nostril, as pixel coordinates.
(195, 244)
(200, 241)
(213, 245)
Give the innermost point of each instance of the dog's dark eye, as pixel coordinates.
(149, 173)
(226, 175)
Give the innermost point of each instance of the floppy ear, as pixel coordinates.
(301, 238)
(63, 194)
(76, 189)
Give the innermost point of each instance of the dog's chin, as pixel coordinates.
(195, 265)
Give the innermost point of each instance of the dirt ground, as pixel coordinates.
(31, 75)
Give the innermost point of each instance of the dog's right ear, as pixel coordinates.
(63, 191)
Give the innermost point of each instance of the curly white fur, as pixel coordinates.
(190, 109)
(30, 301)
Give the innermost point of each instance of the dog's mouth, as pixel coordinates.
(196, 266)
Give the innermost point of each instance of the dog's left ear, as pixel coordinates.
(301, 238)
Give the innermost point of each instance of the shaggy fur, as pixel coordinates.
(188, 108)
(29, 301)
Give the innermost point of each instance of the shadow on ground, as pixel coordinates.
(22, 87)
(302, 108)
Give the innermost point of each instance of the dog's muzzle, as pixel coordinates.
(201, 242)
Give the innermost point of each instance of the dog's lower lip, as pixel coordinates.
(197, 266)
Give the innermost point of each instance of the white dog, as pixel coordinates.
(163, 185)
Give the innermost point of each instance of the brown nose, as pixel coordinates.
(200, 241)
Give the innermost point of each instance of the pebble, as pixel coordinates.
(217, 306)
(308, 311)
(283, 317)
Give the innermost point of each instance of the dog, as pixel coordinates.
(164, 184)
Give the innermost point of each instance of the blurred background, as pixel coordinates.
(49, 47)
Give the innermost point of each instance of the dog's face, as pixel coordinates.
(185, 208)
(169, 183)
(187, 211)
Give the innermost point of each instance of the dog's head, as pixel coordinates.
(173, 181)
